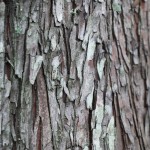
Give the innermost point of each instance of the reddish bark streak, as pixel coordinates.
(39, 136)
(34, 104)
(8, 71)
(90, 63)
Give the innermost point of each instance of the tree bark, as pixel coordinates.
(74, 74)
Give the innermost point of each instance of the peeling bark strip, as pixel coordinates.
(75, 75)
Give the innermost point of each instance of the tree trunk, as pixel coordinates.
(75, 75)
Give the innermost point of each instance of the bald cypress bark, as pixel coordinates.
(74, 75)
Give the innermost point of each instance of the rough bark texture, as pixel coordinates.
(75, 75)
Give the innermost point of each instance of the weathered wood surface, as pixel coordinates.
(75, 75)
